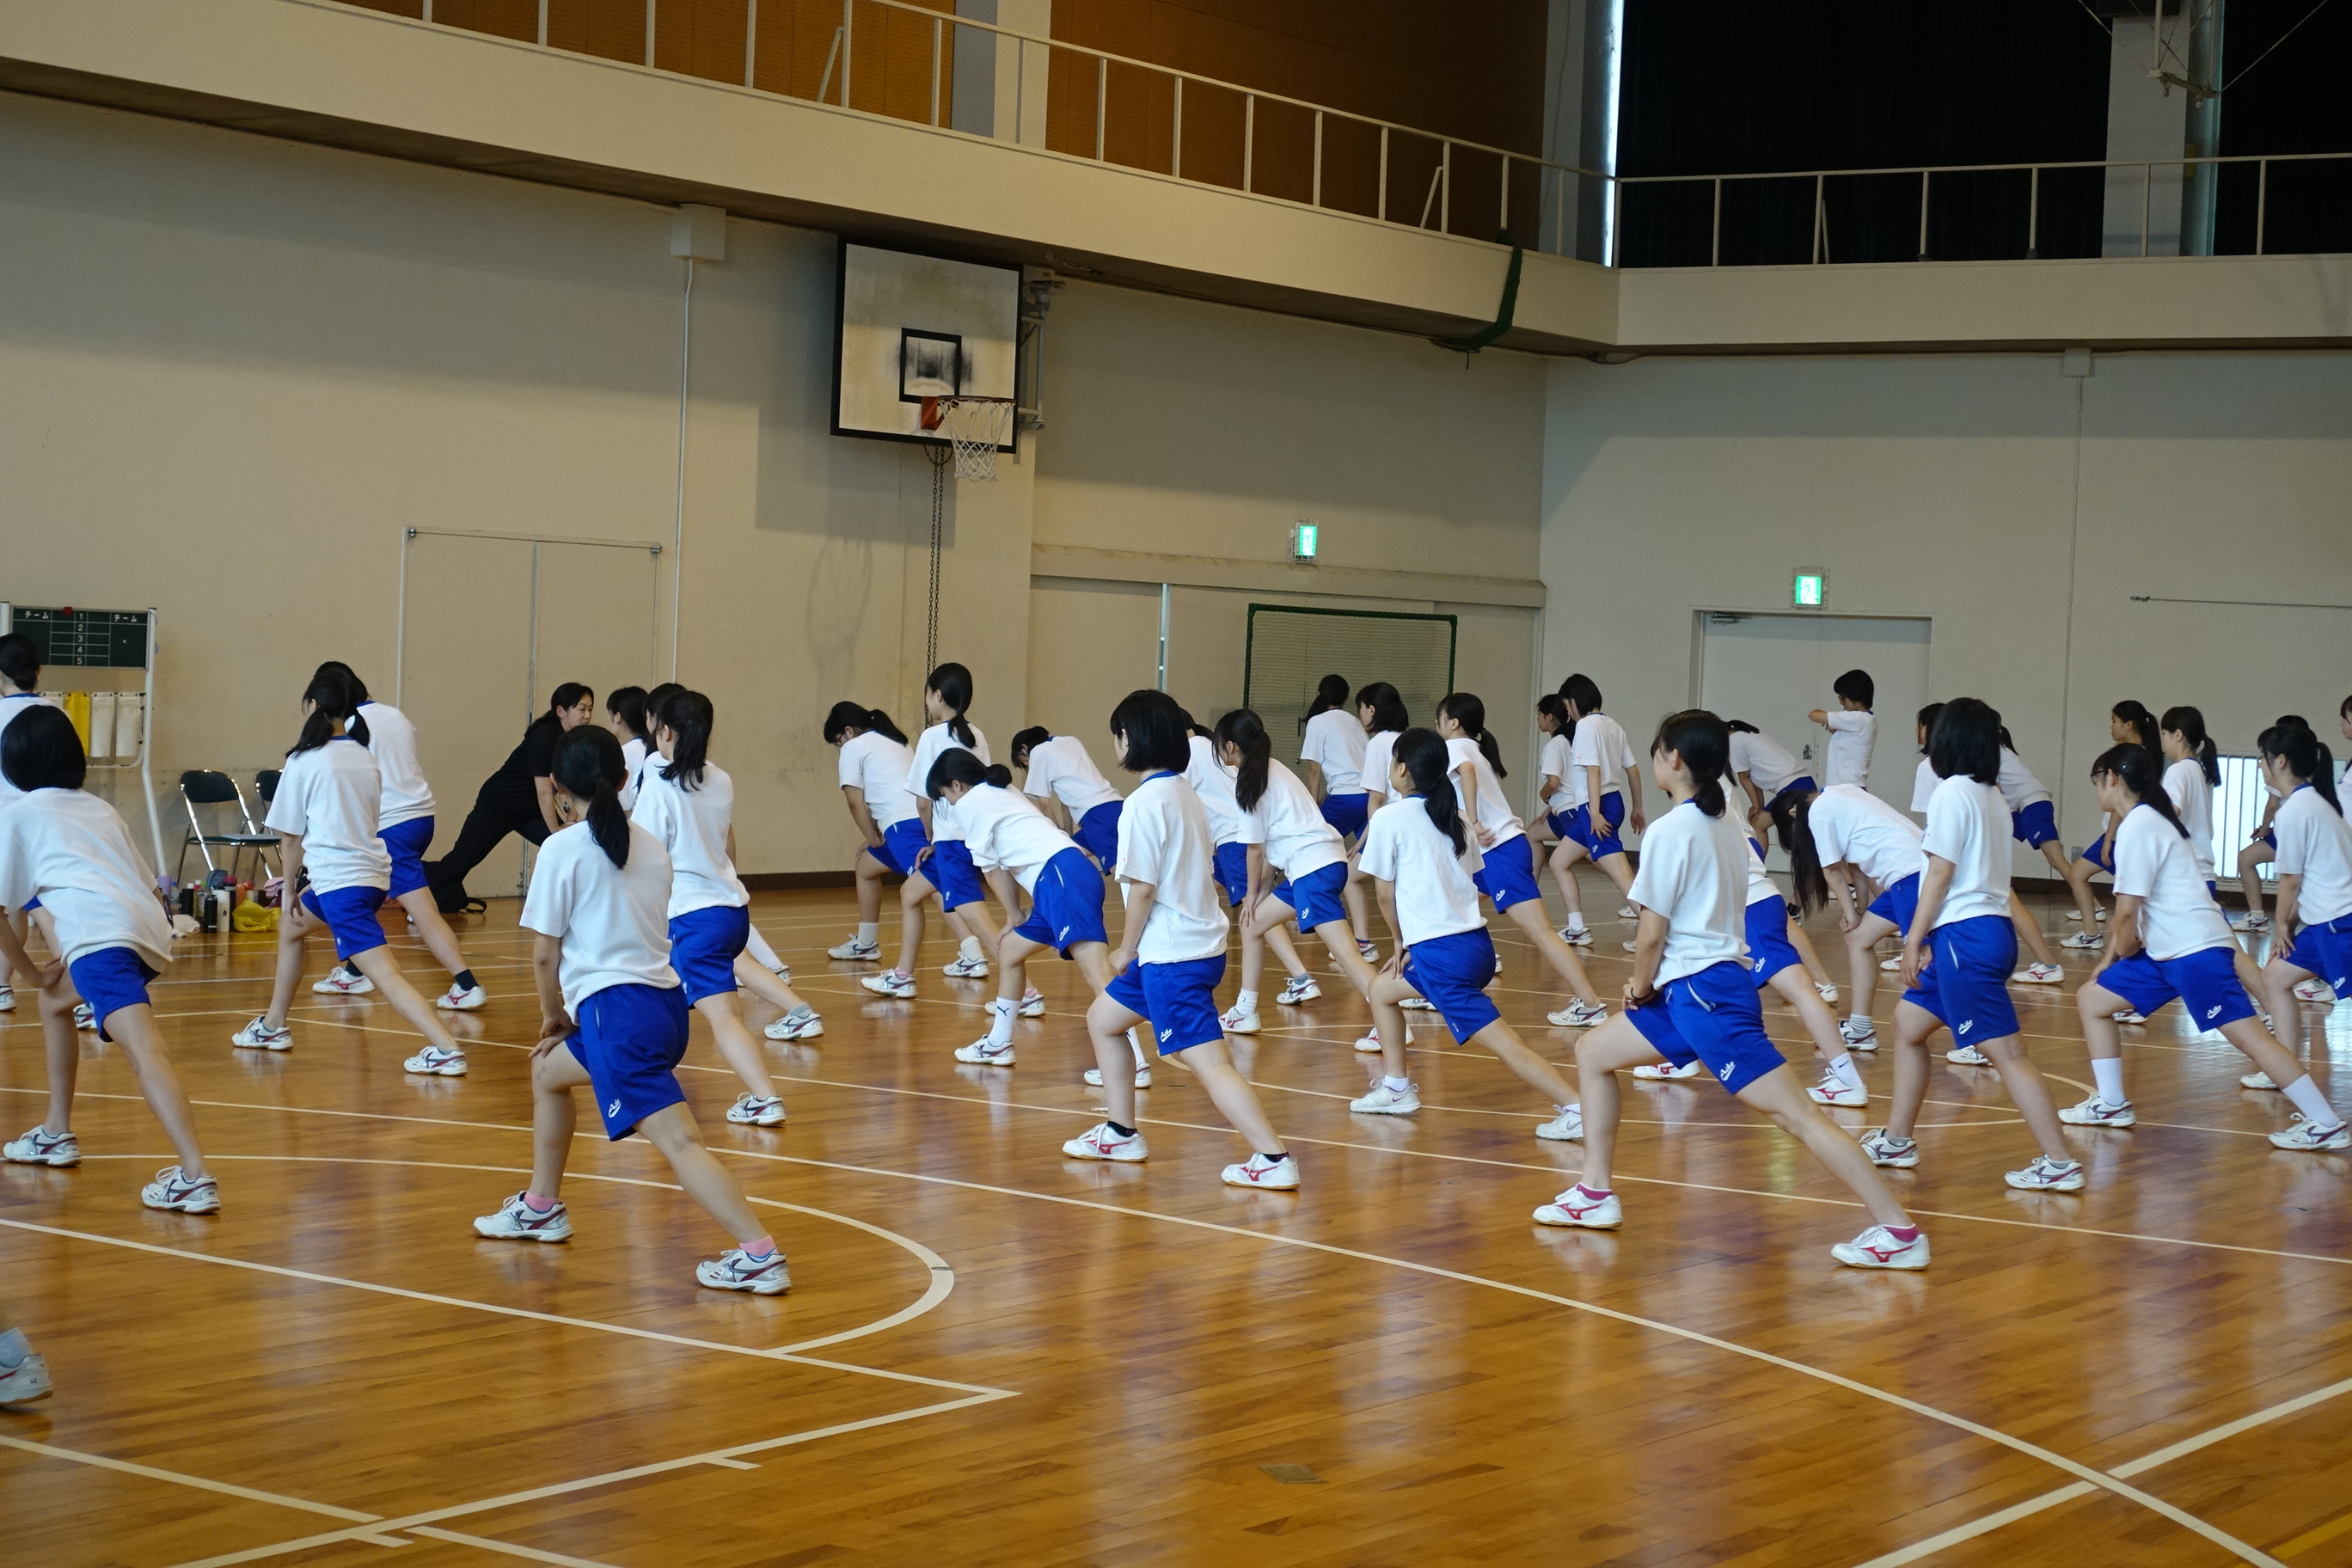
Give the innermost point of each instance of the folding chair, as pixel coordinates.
(216, 792)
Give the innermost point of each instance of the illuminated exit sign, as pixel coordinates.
(1810, 590)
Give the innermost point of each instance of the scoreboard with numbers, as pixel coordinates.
(70, 638)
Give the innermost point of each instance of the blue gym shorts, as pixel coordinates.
(1065, 907)
(1318, 896)
(1711, 1016)
(2206, 982)
(2326, 952)
(703, 946)
(1769, 950)
(631, 1040)
(1345, 814)
(1966, 982)
(2035, 825)
(1232, 871)
(1097, 833)
(349, 914)
(406, 843)
(1451, 973)
(1178, 1000)
(950, 870)
(1612, 813)
(1898, 904)
(1509, 875)
(109, 980)
(1802, 784)
(2099, 853)
(902, 842)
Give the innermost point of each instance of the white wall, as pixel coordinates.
(1965, 489)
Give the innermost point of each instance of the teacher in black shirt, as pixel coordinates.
(518, 798)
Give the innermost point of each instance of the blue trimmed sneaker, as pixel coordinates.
(435, 1062)
(734, 1269)
(517, 1221)
(1894, 1153)
(259, 1036)
(42, 1147)
(1297, 989)
(2303, 1133)
(2048, 1175)
(173, 1190)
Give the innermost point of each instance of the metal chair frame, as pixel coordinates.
(196, 788)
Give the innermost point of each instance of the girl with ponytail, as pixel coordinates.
(687, 804)
(1604, 773)
(1692, 997)
(2315, 911)
(1554, 771)
(1415, 853)
(2033, 822)
(939, 863)
(1508, 876)
(2194, 769)
(612, 1013)
(336, 873)
(1060, 775)
(1213, 784)
(873, 773)
(1333, 754)
(2262, 847)
(1848, 849)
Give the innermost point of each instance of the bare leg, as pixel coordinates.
(1389, 1019)
(1781, 1095)
(2251, 859)
(2055, 853)
(1564, 857)
(63, 1051)
(1286, 951)
(294, 923)
(1253, 960)
(1528, 916)
(1229, 1091)
(133, 1028)
(424, 920)
(910, 919)
(1862, 956)
(1618, 869)
(554, 1076)
(2279, 980)
(1797, 990)
(2029, 930)
(2248, 1035)
(981, 923)
(1913, 1026)
(674, 1131)
(1803, 942)
(736, 1044)
(1360, 918)
(2098, 1007)
(761, 981)
(413, 1009)
(1526, 1066)
(1601, 1055)
(2028, 1093)
(870, 873)
(1107, 1023)
(2078, 883)
(1342, 943)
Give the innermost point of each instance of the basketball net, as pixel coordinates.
(975, 427)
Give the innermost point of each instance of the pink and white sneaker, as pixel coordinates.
(341, 981)
(1099, 1142)
(1582, 1210)
(1257, 1171)
(892, 983)
(1879, 1248)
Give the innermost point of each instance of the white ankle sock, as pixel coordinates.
(2311, 1102)
(1397, 1085)
(1576, 919)
(1247, 1002)
(971, 949)
(869, 932)
(2108, 1074)
(1001, 1013)
(1842, 1067)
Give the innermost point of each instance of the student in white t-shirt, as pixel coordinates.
(2193, 768)
(1692, 996)
(614, 1014)
(1171, 954)
(2045, 969)
(1558, 782)
(873, 767)
(1959, 950)
(20, 682)
(940, 864)
(1212, 781)
(1059, 774)
(2315, 910)
(70, 851)
(1765, 771)
(1331, 755)
(1382, 712)
(1422, 856)
(2169, 939)
(325, 817)
(1607, 774)
(1853, 851)
(1853, 727)
(624, 716)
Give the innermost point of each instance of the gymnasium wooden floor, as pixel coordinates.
(991, 1355)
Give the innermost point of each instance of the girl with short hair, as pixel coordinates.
(1057, 772)
(1606, 773)
(873, 764)
(940, 864)
(1556, 788)
(1333, 754)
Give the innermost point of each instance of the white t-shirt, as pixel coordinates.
(2315, 844)
(927, 747)
(1495, 812)
(1335, 741)
(1695, 873)
(1287, 820)
(329, 796)
(614, 920)
(1556, 764)
(2019, 788)
(1766, 760)
(2155, 864)
(1854, 826)
(1969, 826)
(1759, 885)
(1852, 736)
(633, 766)
(2192, 799)
(1212, 781)
(1164, 843)
(1061, 767)
(691, 825)
(1600, 743)
(1923, 786)
(877, 765)
(1434, 895)
(1380, 762)
(9, 708)
(70, 850)
(1004, 831)
(392, 740)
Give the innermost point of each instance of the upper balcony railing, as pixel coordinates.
(910, 60)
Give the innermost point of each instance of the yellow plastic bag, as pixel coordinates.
(252, 916)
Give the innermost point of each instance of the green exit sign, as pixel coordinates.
(1810, 591)
(1304, 539)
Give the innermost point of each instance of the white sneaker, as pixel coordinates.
(2080, 939)
(1896, 1154)
(1297, 989)
(855, 951)
(1968, 1057)
(7, 999)
(783, 971)
(435, 1062)
(1417, 1004)
(1568, 1127)
(466, 1001)
(895, 983)
(1143, 1078)
(2314, 990)
(1630, 946)
(1576, 1015)
(981, 1054)
(2131, 1015)
(1581, 1209)
(966, 969)
(1033, 1003)
(2039, 975)
(1370, 1044)
(2303, 1133)
(26, 1381)
(1257, 1171)
(1877, 1248)
(2048, 1175)
(1661, 1072)
(1828, 993)
(1386, 1101)
(42, 1147)
(1576, 936)
(84, 1019)
(2256, 1081)
(1367, 950)
(1834, 1090)
(2251, 923)
(517, 1221)
(803, 1024)
(2074, 915)
(341, 981)
(173, 1190)
(1859, 1034)
(259, 1036)
(757, 1110)
(1628, 912)
(2097, 1113)
(733, 1270)
(1889, 965)
(1099, 1142)
(1236, 1022)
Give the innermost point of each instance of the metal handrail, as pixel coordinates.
(1960, 168)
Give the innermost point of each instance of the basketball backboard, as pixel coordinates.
(912, 327)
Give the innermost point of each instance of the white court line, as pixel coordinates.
(509, 1549)
(151, 1473)
(1985, 1526)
